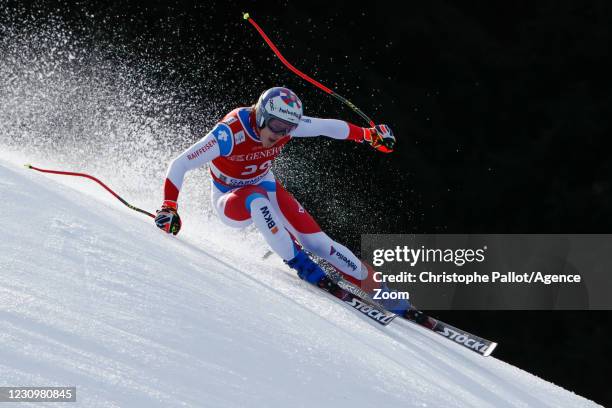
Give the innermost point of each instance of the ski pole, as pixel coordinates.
(303, 75)
(68, 173)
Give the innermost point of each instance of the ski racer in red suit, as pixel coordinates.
(240, 151)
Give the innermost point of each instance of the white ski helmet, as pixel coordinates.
(281, 104)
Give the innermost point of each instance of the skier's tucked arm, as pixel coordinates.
(197, 155)
(379, 137)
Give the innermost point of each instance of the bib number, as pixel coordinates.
(250, 169)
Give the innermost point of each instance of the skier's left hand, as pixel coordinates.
(168, 220)
(381, 138)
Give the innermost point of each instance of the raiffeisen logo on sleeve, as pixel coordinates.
(198, 152)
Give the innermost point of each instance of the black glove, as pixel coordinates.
(381, 138)
(168, 219)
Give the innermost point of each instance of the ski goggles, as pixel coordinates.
(279, 127)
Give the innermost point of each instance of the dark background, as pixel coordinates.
(500, 109)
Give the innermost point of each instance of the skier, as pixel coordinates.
(240, 150)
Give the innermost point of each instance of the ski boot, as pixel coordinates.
(420, 318)
(397, 306)
(309, 271)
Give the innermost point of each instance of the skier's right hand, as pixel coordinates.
(168, 219)
(381, 138)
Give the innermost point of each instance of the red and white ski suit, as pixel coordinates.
(244, 189)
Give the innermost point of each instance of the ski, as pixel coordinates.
(468, 340)
(361, 301)
(342, 291)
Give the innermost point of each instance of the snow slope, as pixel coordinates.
(92, 295)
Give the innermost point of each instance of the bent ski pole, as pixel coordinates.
(303, 75)
(69, 173)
